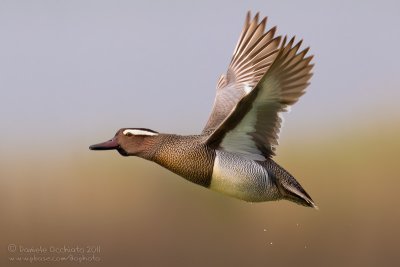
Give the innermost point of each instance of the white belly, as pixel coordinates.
(241, 178)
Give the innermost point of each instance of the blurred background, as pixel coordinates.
(73, 72)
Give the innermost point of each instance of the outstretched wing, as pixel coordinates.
(253, 55)
(253, 125)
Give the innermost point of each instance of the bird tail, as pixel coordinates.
(291, 190)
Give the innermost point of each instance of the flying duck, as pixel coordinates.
(233, 154)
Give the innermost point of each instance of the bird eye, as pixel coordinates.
(129, 134)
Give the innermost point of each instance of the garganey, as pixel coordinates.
(233, 154)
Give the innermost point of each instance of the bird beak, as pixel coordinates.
(108, 145)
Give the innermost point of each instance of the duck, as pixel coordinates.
(234, 152)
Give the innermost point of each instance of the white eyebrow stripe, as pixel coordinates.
(138, 132)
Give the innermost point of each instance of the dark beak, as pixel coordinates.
(108, 145)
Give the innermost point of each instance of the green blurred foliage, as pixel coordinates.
(142, 215)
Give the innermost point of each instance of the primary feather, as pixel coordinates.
(253, 125)
(253, 55)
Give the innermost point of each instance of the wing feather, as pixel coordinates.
(252, 57)
(252, 128)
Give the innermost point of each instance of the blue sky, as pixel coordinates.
(80, 70)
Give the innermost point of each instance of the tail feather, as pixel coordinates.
(290, 189)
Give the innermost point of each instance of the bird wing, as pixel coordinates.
(253, 126)
(253, 55)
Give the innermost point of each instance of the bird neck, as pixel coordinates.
(186, 156)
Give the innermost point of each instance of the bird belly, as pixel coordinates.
(242, 178)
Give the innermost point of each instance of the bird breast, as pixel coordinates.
(241, 177)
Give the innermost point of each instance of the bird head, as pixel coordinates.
(128, 141)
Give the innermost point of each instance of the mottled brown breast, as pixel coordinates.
(186, 156)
